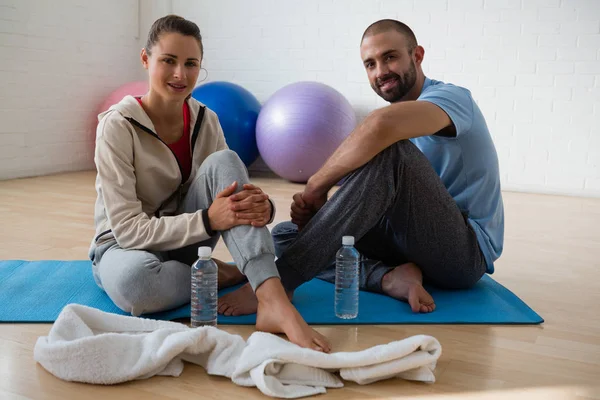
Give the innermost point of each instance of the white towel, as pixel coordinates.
(92, 346)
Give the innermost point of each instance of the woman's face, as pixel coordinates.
(173, 65)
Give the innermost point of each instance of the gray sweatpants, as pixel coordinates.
(141, 282)
(398, 211)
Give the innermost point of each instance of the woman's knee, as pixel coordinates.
(129, 281)
(223, 157)
(223, 165)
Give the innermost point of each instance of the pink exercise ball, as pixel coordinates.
(132, 88)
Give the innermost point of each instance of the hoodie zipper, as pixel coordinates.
(193, 138)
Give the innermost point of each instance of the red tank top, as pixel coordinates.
(181, 148)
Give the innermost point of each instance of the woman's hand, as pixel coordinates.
(248, 207)
(252, 204)
(220, 214)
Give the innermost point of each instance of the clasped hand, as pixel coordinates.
(250, 206)
(305, 205)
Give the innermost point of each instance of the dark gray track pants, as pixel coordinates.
(398, 211)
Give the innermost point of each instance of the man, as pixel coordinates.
(423, 197)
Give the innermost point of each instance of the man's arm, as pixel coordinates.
(380, 129)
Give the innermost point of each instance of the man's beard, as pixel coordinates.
(404, 85)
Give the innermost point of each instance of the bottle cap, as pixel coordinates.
(204, 251)
(348, 240)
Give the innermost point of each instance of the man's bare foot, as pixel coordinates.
(242, 301)
(405, 283)
(229, 275)
(276, 314)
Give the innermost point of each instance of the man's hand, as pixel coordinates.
(300, 212)
(305, 206)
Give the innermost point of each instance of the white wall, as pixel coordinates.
(59, 60)
(532, 65)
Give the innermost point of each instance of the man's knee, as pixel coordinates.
(286, 228)
(283, 235)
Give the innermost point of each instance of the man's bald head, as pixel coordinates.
(386, 25)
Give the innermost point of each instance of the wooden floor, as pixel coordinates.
(551, 260)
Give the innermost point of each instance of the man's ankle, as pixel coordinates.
(390, 278)
(386, 281)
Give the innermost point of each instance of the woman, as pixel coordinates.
(167, 184)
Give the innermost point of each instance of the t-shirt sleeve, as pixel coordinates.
(455, 101)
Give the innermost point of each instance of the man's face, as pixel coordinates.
(391, 69)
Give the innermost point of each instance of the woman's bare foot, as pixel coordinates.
(242, 301)
(276, 314)
(229, 275)
(405, 283)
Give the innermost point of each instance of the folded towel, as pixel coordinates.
(92, 346)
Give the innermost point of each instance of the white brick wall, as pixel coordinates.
(59, 60)
(532, 65)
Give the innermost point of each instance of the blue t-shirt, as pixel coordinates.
(467, 164)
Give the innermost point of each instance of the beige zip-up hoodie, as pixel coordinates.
(139, 180)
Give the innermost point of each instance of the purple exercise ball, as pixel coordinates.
(300, 126)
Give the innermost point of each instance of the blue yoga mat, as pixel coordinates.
(37, 291)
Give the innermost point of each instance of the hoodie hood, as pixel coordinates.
(130, 108)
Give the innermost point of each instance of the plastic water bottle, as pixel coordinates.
(346, 279)
(204, 289)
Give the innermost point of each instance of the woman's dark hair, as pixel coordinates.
(173, 24)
